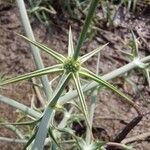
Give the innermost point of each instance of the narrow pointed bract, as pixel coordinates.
(46, 49)
(90, 54)
(70, 44)
(81, 96)
(51, 69)
(96, 78)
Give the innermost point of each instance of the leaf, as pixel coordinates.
(90, 54)
(81, 97)
(96, 78)
(70, 44)
(51, 69)
(45, 122)
(53, 53)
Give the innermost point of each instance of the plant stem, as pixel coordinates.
(15, 130)
(108, 76)
(20, 106)
(86, 25)
(114, 145)
(34, 50)
(13, 140)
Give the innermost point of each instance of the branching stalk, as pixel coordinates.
(20, 106)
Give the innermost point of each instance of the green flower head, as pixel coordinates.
(70, 65)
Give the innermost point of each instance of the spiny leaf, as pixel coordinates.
(70, 44)
(96, 78)
(51, 69)
(90, 54)
(81, 97)
(53, 53)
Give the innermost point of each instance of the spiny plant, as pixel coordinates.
(112, 9)
(69, 68)
(42, 10)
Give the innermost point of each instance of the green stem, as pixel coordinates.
(86, 25)
(34, 50)
(15, 130)
(20, 106)
(5, 139)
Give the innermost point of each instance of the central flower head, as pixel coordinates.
(71, 65)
